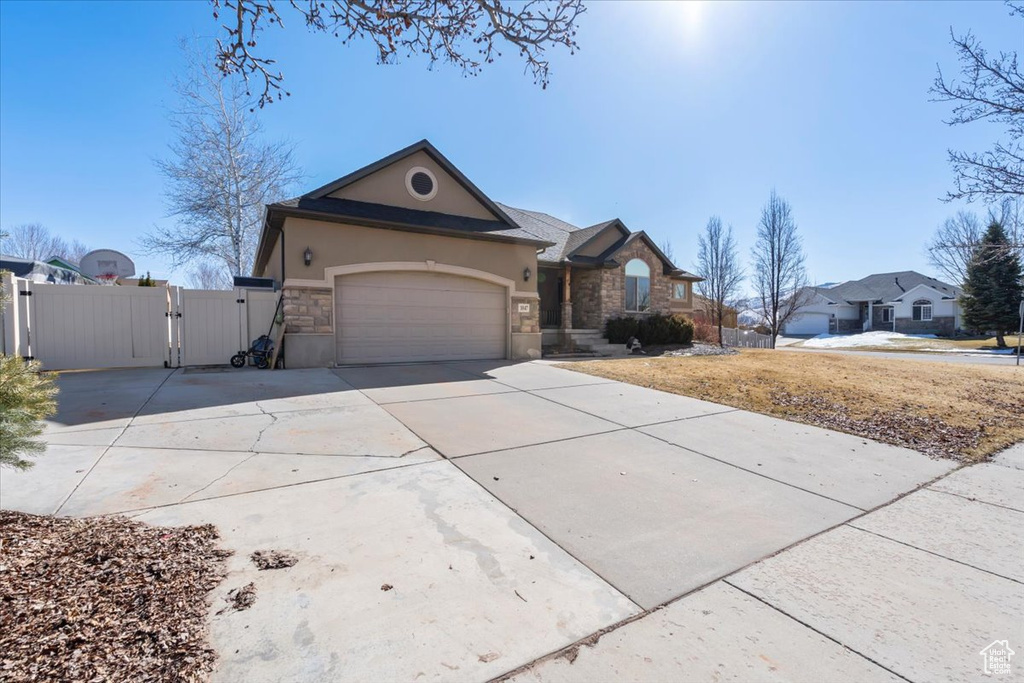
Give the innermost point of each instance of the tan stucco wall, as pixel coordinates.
(602, 242)
(335, 244)
(387, 186)
(273, 268)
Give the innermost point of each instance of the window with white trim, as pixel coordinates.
(922, 310)
(679, 290)
(887, 314)
(638, 286)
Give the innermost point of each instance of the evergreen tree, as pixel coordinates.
(26, 398)
(994, 288)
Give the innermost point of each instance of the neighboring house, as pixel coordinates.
(44, 273)
(906, 302)
(407, 260)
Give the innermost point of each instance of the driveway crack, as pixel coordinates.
(226, 473)
(259, 435)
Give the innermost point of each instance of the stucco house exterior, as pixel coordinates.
(906, 302)
(407, 260)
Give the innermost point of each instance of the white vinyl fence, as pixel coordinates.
(78, 326)
(745, 338)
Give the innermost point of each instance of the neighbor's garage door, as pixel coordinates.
(392, 317)
(808, 323)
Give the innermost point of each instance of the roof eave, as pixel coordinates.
(282, 212)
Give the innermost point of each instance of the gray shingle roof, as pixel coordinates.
(885, 287)
(545, 227)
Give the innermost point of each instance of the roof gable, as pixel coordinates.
(384, 182)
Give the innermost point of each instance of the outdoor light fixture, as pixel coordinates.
(526, 274)
(307, 256)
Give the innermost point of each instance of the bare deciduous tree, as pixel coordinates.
(32, 241)
(465, 33)
(718, 263)
(206, 275)
(220, 175)
(779, 273)
(952, 245)
(955, 242)
(991, 88)
(667, 250)
(76, 250)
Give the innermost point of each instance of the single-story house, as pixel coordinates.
(407, 260)
(44, 272)
(906, 302)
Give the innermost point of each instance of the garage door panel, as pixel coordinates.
(418, 316)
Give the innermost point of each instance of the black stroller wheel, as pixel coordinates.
(262, 363)
(238, 360)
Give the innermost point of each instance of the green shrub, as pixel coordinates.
(619, 330)
(652, 330)
(26, 398)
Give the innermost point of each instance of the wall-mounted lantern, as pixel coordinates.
(526, 274)
(307, 256)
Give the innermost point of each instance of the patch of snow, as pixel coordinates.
(849, 341)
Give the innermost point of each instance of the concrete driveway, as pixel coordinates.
(535, 522)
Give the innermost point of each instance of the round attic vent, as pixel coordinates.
(421, 183)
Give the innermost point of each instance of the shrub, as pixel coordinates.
(619, 330)
(652, 330)
(704, 331)
(26, 398)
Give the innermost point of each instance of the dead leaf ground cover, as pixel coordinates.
(105, 599)
(959, 411)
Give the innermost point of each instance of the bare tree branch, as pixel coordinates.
(33, 241)
(465, 33)
(206, 275)
(955, 243)
(780, 277)
(220, 174)
(990, 88)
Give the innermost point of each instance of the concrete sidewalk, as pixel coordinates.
(519, 510)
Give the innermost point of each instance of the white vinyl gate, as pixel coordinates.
(79, 326)
(216, 324)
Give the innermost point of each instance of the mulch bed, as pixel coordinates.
(105, 599)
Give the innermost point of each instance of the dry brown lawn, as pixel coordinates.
(951, 410)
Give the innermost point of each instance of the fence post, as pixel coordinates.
(174, 326)
(9, 317)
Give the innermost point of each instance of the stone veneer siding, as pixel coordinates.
(308, 310)
(943, 325)
(526, 322)
(599, 294)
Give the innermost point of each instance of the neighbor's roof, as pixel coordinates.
(885, 287)
(44, 273)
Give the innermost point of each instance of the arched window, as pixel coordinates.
(922, 309)
(638, 286)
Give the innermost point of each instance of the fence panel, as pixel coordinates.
(745, 339)
(261, 306)
(213, 326)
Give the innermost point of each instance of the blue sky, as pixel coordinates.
(670, 112)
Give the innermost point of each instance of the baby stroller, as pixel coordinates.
(261, 351)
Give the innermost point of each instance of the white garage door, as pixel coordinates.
(392, 317)
(808, 323)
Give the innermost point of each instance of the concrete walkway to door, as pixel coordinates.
(520, 511)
